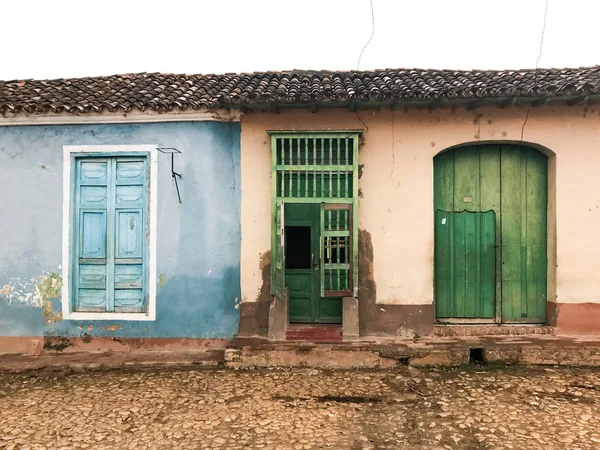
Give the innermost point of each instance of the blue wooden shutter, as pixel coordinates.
(130, 235)
(111, 223)
(91, 218)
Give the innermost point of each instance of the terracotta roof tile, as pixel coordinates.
(167, 92)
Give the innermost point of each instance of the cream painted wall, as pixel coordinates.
(397, 189)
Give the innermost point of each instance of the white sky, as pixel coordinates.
(64, 38)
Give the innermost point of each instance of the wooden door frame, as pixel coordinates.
(349, 136)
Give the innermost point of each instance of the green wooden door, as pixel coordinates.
(303, 270)
(465, 259)
(510, 181)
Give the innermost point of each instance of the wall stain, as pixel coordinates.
(254, 316)
(114, 327)
(57, 343)
(161, 280)
(367, 289)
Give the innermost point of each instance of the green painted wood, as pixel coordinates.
(512, 181)
(313, 169)
(465, 256)
(279, 253)
(336, 250)
(524, 234)
(306, 304)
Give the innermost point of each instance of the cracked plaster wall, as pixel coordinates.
(396, 189)
(198, 241)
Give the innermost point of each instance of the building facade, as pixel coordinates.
(188, 210)
(97, 246)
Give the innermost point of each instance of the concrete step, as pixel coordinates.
(492, 330)
(441, 351)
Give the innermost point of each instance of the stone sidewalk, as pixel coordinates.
(365, 353)
(404, 408)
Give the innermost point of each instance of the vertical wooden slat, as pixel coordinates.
(280, 172)
(314, 161)
(298, 181)
(337, 161)
(322, 250)
(305, 169)
(289, 172)
(338, 287)
(524, 217)
(346, 174)
(322, 192)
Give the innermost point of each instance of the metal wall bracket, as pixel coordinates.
(172, 151)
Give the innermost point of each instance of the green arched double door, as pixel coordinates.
(491, 234)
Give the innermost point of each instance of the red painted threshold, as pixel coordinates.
(314, 333)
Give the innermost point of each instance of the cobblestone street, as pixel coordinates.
(474, 408)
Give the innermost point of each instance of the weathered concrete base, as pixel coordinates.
(350, 329)
(246, 353)
(278, 318)
(577, 318)
(112, 360)
(317, 355)
(36, 345)
(18, 344)
(533, 349)
(254, 319)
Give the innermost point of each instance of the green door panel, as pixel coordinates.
(511, 181)
(330, 310)
(465, 261)
(301, 286)
(306, 304)
(524, 234)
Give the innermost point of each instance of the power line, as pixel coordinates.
(542, 38)
(370, 39)
(535, 70)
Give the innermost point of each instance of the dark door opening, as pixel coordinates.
(297, 248)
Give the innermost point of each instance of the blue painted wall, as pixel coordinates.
(198, 241)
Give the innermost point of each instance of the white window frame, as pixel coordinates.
(69, 151)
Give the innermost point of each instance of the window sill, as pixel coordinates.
(109, 316)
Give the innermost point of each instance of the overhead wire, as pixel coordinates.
(370, 39)
(535, 70)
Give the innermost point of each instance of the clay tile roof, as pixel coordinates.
(167, 92)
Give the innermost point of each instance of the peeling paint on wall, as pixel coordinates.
(33, 291)
(48, 289)
(161, 280)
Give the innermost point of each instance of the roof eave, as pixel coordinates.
(472, 103)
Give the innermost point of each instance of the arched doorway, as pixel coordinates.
(490, 205)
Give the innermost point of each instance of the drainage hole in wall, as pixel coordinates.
(476, 356)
